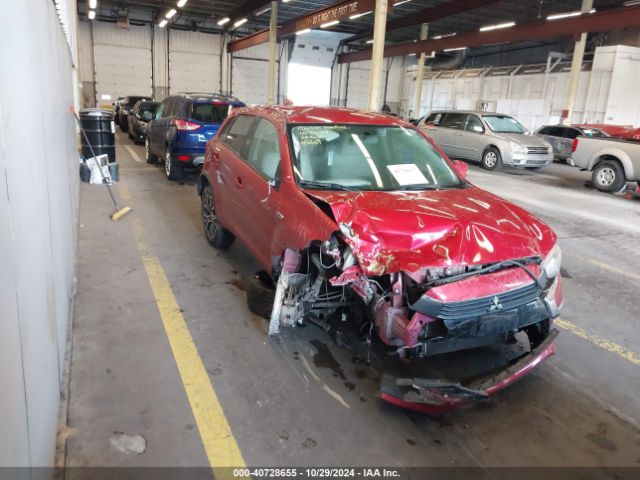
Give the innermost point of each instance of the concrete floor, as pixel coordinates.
(581, 408)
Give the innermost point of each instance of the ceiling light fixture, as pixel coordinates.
(242, 21)
(497, 26)
(224, 20)
(558, 16)
(93, 4)
(171, 13)
(454, 49)
(303, 31)
(181, 3)
(91, 14)
(358, 15)
(444, 35)
(163, 23)
(369, 41)
(329, 24)
(400, 3)
(264, 10)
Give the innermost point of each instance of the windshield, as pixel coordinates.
(360, 157)
(209, 112)
(504, 124)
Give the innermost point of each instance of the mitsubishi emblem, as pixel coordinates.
(496, 305)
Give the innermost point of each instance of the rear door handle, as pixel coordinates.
(239, 183)
(279, 215)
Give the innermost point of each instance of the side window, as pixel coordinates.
(239, 133)
(161, 108)
(454, 120)
(555, 131)
(545, 131)
(474, 124)
(433, 119)
(264, 150)
(570, 133)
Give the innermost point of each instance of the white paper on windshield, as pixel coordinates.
(407, 174)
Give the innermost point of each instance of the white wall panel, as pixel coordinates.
(194, 62)
(38, 220)
(122, 60)
(249, 81)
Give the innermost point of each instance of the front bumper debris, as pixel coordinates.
(436, 396)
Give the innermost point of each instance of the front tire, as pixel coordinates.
(149, 157)
(261, 293)
(608, 176)
(216, 234)
(491, 159)
(171, 170)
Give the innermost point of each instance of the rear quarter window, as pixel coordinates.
(208, 112)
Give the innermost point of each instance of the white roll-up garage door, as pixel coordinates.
(194, 62)
(250, 80)
(122, 60)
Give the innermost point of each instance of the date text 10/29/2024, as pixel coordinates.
(321, 472)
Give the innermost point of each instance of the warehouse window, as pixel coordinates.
(309, 84)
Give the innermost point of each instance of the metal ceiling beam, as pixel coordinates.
(597, 22)
(431, 14)
(337, 11)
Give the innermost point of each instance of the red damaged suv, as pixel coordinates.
(360, 216)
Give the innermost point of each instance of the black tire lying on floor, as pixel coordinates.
(260, 294)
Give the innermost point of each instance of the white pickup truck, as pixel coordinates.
(612, 161)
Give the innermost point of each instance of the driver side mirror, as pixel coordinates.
(477, 128)
(461, 168)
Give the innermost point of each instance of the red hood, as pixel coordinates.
(412, 230)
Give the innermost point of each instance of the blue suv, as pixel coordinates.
(182, 126)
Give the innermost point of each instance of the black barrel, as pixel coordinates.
(98, 125)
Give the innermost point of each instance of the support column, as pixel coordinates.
(273, 42)
(375, 76)
(424, 32)
(576, 67)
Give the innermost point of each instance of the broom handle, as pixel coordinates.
(86, 138)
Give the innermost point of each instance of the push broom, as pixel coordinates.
(118, 212)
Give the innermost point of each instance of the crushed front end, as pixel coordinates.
(425, 312)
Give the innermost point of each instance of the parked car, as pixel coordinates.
(116, 107)
(493, 139)
(139, 117)
(560, 137)
(360, 218)
(182, 126)
(612, 161)
(623, 132)
(125, 106)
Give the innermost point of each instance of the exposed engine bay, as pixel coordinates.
(417, 314)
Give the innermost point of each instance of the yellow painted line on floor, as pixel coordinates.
(603, 343)
(612, 269)
(219, 443)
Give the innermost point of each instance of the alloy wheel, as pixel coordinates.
(167, 163)
(209, 218)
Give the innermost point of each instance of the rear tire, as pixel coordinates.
(171, 170)
(216, 234)
(148, 156)
(608, 176)
(261, 293)
(491, 159)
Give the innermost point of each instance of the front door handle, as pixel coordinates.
(239, 183)
(279, 215)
